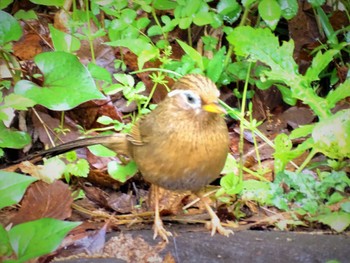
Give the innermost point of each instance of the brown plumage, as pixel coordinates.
(181, 145)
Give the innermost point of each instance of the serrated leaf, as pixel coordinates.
(36, 238)
(67, 83)
(13, 187)
(341, 92)
(80, 168)
(319, 63)
(261, 44)
(301, 131)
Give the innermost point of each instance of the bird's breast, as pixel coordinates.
(185, 159)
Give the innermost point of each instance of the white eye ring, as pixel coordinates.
(191, 99)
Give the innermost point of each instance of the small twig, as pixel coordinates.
(197, 199)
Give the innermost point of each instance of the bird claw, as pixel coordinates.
(215, 226)
(160, 230)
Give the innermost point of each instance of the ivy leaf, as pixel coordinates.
(122, 172)
(10, 29)
(67, 83)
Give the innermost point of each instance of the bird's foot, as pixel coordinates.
(160, 230)
(215, 226)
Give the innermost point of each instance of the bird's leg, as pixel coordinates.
(215, 224)
(158, 223)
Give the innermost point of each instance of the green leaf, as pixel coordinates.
(231, 183)
(319, 63)
(164, 4)
(301, 131)
(230, 165)
(67, 83)
(5, 246)
(346, 207)
(13, 187)
(122, 172)
(80, 168)
(192, 53)
(261, 44)
(289, 8)
(58, 3)
(13, 139)
(36, 238)
(341, 92)
(216, 65)
(147, 55)
(26, 15)
(185, 23)
(316, 3)
(99, 73)
(10, 29)
(154, 30)
(229, 10)
(5, 3)
(17, 102)
(256, 190)
(332, 135)
(63, 41)
(125, 79)
(203, 18)
(338, 221)
(141, 47)
(270, 12)
(142, 23)
(102, 151)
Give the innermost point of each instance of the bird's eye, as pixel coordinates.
(190, 98)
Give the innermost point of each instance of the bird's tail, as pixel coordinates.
(116, 142)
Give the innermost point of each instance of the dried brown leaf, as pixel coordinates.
(45, 200)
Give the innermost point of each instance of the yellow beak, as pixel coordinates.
(214, 107)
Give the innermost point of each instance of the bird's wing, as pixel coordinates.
(135, 134)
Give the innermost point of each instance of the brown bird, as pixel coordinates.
(181, 145)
